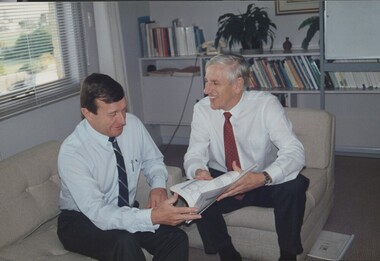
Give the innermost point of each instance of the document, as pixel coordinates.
(331, 245)
(202, 193)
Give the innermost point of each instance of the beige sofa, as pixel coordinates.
(29, 188)
(252, 229)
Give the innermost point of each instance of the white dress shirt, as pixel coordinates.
(262, 132)
(89, 177)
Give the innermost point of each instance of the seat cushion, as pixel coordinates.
(43, 244)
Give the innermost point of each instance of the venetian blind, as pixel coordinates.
(42, 58)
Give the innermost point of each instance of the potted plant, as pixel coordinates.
(250, 29)
(313, 23)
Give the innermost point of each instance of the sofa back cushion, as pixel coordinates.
(316, 130)
(29, 190)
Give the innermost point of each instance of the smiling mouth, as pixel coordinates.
(119, 127)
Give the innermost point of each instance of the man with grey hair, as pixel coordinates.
(232, 129)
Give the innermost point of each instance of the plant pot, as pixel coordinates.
(251, 51)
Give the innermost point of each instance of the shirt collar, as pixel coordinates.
(235, 111)
(97, 136)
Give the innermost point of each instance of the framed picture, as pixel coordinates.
(284, 7)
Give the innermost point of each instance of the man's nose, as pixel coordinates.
(207, 88)
(121, 117)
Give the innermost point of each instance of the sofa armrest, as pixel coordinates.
(175, 176)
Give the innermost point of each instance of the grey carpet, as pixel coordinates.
(356, 208)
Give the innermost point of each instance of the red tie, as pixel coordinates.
(230, 149)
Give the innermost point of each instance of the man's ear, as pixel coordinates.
(85, 112)
(239, 85)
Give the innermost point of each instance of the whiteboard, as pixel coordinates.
(352, 29)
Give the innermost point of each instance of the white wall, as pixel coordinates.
(52, 122)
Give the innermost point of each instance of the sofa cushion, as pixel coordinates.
(43, 244)
(29, 188)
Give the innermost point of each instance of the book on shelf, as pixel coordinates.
(150, 38)
(188, 71)
(190, 40)
(202, 193)
(258, 75)
(255, 84)
(296, 73)
(304, 73)
(180, 35)
(331, 245)
(329, 81)
(309, 74)
(314, 70)
(142, 20)
(278, 75)
(349, 79)
(272, 73)
(307, 81)
(269, 76)
(280, 64)
(291, 75)
(265, 78)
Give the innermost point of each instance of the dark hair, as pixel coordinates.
(102, 87)
(238, 66)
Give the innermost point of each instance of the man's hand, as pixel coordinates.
(202, 174)
(249, 182)
(156, 196)
(167, 214)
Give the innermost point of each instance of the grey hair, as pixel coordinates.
(238, 66)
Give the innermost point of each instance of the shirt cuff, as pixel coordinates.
(158, 181)
(191, 167)
(275, 173)
(145, 221)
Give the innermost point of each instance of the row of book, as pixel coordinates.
(364, 80)
(169, 41)
(301, 72)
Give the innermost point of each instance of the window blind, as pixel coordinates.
(42, 57)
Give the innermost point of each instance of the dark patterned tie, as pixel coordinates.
(230, 149)
(123, 199)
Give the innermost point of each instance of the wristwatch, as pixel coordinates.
(268, 179)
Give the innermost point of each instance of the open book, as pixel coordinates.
(202, 193)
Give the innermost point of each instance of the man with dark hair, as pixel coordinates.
(99, 166)
(231, 130)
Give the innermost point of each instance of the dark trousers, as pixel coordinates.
(78, 234)
(287, 199)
